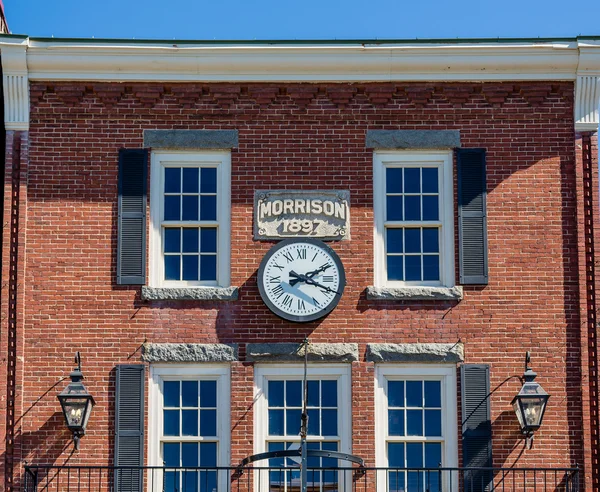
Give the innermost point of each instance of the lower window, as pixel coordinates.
(278, 419)
(416, 427)
(189, 426)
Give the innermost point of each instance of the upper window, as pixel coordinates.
(190, 210)
(278, 418)
(414, 219)
(189, 426)
(416, 425)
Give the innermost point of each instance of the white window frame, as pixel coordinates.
(444, 162)
(222, 162)
(197, 372)
(446, 374)
(264, 373)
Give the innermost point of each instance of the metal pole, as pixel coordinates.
(304, 426)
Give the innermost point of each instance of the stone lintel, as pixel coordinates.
(190, 139)
(413, 139)
(294, 352)
(189, 352)
(189, 293)
(416, 352)
(415, 293)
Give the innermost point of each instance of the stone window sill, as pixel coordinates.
(189, 293)
(414, 293)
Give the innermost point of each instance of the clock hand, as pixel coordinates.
(318, 270)
(317, 284)
(298, 278)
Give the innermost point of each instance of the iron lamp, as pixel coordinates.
(530, 403)
(76, 403)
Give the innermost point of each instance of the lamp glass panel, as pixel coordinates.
(517, 408)
(74, 409)
(532, 410)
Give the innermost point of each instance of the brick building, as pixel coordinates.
(138, 176)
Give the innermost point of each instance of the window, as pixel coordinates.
(190, 210)
(414, 219)
(189, 426)
(416, 425)
(279, 396)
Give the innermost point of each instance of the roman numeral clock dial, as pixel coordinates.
(301, 280)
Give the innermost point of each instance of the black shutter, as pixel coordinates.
(129, 427)
(476, 426)
(131, 243)
(472, 216)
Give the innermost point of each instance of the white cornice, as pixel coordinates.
(25, 59)
(284, 63)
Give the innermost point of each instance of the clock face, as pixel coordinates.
(301, 279)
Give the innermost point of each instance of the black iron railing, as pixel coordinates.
(42, 478)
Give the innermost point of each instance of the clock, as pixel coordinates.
(301, 280)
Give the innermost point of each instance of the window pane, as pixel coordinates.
(171, 422)
(431, 267)
(412, 180)
(208, 267)
(171, 393)
(396, 454)
(189, 454)
(329, 422)
(189, 393)
(395, 267)
(276, 422)
(412, 240)
(189, 422)
(414, 455)
(208, 394)
(172, 242)
(190, 180)
(431, 240)
(172, 180)
(396, 393)
(208, 239)
(396, 422)
(292, 422)
(275, 393)
(190, 240)
(431, 209)
(208, 207)
(430, 180)
(412, 208)
(172, 207)
(394, 208)
(208, 454)
(413, 268)
(393, 180)
(414, 393)
(329, 396)
(190, 207)
(433, 394)
(190, 267)
(433, 454)
(276, 446)
(394, 240)
(172, 267)
(171, 454)
(208, 422)
(433, 422)
(208, 180)
(313, 422)
(414, 422)
(293, 393)
(313, 394)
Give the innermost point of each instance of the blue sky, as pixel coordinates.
(302, 19)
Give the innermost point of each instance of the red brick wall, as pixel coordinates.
(298, 136)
